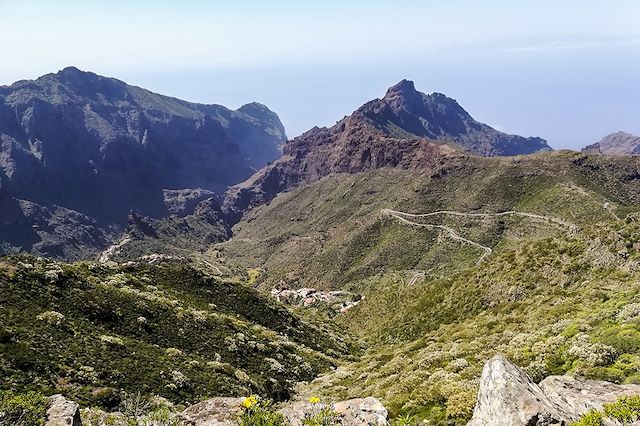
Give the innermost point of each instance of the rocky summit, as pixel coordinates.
(83, 149)
(618, 143)
(405, 129)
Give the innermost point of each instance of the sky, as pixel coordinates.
(567, 71)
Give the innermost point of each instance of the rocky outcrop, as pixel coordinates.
(353, 412)
(99, 148)
(225, 412)
(62, 412)
(212, 412)
(508, 397)
(618, 143)
(578, 396)
(182, 202)
(405, 129)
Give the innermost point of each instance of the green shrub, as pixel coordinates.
(22, 409)
(406, 420)
(625, 409)
(592, 418)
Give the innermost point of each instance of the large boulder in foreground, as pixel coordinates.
(508, 397)
(62, 412)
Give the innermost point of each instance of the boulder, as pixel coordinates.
(362, 412)
(354, 412)
(508, 397)
(578, 396)
(62, 412)
(212, 412)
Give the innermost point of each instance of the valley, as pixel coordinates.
(380, 264)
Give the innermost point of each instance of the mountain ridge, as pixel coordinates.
(99, 147)
(405, 129)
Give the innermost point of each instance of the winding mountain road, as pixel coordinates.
(403, 217)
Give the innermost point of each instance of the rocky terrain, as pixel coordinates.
(79, 151)
(618, 143)
(507, 397)
(405, 129)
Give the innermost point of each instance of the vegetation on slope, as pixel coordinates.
(89, 331)
(557, 305)
(554, 299)
(331, 234)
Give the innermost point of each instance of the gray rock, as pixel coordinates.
(508, 397)
(362, 412)
(578, 396)
(354, 412)
(212, 412)
(62, 412)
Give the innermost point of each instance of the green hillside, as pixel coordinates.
(89, 331)
(331, 234)
(557, 294)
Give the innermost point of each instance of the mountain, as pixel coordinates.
(98, 148)
(406, 129)
(618, 143)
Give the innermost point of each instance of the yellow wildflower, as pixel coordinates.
(250, 401)
(314, 400)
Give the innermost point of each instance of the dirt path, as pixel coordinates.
(403, 217)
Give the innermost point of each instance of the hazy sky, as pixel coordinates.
(568, 71)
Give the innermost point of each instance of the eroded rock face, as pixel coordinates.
(62, 412)
(618, 143)
(82, 147)
(212, 412)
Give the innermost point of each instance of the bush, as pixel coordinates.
(22, 409)
(625, 411)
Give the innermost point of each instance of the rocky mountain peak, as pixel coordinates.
(404, 88)
(617, 143)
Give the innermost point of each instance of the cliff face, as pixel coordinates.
(406, 129)
(99, 147)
